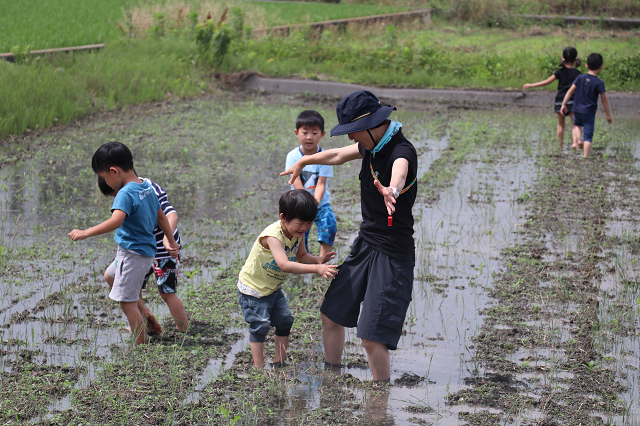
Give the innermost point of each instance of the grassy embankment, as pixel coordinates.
(64, 23)
(483, 10)
(164, 61)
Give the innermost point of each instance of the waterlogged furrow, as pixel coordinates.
(545, 351)
(494, 360)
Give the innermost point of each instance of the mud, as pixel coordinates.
(624, 104)
(525, 296)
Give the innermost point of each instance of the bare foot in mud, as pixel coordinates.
(153, 326)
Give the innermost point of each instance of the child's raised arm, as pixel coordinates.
(540, 83)
(568, 96)
(605, 104)
(286, 265)
(164, 224)
(321, 186)
(111, 224)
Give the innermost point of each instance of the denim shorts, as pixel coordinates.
(327, 227)
(384, 285)
(264, 312)
(166, 271)
(587, 122)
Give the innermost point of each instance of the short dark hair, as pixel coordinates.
(298, 204)
(310, 118)
(112, 154)
(104, 188)
(594, 61)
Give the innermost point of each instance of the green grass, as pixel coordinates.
(283, 13)
(480, 10)
(44, 24)
(61, 88)
(444, 55)
(54, 90)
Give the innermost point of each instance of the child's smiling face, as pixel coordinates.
(309, 137)
(294, 228)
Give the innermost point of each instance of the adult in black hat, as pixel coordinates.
(379, 270)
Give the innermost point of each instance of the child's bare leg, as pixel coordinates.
(573, 134)
(153, 326)
(177, 310)
(141, 306)
(109, 279)
(560, 129)
(324, 249)
(577, 136)
(587, 148)
(136, 322)
(282, 343)
(257, 351)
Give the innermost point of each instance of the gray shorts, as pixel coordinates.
(128, 271)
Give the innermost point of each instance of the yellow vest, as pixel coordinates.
(260, 271)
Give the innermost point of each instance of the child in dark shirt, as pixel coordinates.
(586, 88)
(565, 75)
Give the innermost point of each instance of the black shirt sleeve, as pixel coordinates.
(408, 152)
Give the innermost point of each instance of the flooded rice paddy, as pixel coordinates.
(525, 304)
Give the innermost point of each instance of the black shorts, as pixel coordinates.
(382, 282)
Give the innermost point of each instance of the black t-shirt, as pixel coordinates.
(565, 78)
(396, 240)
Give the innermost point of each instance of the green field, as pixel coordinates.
(162, 59)
(443, 54)
(44, 24)
(54, 90)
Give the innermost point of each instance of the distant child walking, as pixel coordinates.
(135, 213)
(586, 88)
(276, 253)
(565, 75)
(309, 130)
(165, 267)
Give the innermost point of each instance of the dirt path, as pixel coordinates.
(625, 104)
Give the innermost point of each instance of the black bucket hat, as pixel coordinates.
(359, 111)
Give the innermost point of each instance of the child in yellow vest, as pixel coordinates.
(278, 251)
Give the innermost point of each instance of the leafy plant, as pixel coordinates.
(20, 54)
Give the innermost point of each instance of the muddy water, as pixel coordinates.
(457, 239)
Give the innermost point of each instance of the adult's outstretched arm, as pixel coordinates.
(331, 157)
